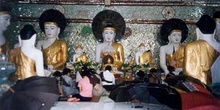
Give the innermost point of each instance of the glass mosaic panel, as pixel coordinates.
(147, 33)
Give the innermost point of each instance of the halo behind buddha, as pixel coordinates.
(216, 15)
(79, 46)
(104, 18)
(173, 24)
(4, 9)
(141, 45)
(53, 16)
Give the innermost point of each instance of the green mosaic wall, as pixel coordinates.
(142, 32)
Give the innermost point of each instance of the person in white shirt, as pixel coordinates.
(108, 78)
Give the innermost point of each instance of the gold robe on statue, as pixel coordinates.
(82, 58)
(118, 56)
(4, 48)
(146, 58)
(56, 54)
(198, 59)
(25, 66)
(176, 59)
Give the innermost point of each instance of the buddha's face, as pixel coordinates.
(217, 33)
(141, 48)
(175, 37)
(4, 21)
(109, 35)
(51, 30)
(79, 51)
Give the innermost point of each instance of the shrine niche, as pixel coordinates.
(80, 14)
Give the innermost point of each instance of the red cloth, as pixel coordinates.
(199, 101)
(207, 107)
(201, 89)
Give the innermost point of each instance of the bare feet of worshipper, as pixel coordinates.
(73, 99)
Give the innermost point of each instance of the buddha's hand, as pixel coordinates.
(50, 67)
(179, 69)
(173, 63)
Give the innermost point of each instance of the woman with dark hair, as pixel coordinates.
(68, 85)
(27, 63)
(85, 87)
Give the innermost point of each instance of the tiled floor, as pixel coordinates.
(106, 103)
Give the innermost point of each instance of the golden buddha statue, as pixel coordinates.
(143, 57)
(110, 48)
(108, 31)
(131, 60)
(52, 23)
(176, 58)
(173, 31)
(80, 55)
(27, 64)
(201, 54)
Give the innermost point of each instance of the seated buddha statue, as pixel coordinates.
(173, 31)
(130, 60)
(52, 23)
(201, 54)
(4, 23)
(27, 64)
(108, 27)
(142, 56)
(110, 48)
(80, 55)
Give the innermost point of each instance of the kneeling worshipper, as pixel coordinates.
(68, 85)
(86, 86)
(108, 78)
